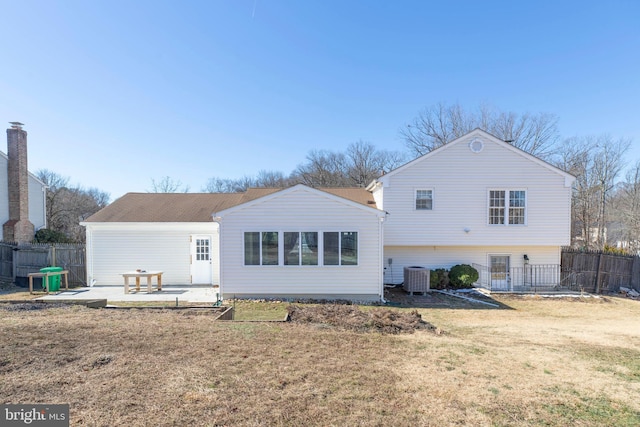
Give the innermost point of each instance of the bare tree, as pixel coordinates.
(607, 166)
(219, 185)
(627, 209)
(361, 164)
(264, 179)
(68, 205)
(323, 169)
(596, 162)
(439, 124)
(168, 185)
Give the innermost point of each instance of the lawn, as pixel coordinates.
(538, 362)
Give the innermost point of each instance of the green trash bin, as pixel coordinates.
(54, 281)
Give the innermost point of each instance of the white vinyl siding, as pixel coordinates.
(304, 210)
(37, 209)
(114, 248)
(447, 256)
(461, 180)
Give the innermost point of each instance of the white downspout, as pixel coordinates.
(218, 220)
(381, 257)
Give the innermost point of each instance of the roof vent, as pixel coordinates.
(476, 145)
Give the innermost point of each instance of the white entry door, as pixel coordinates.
(201, 261)
(500, 279)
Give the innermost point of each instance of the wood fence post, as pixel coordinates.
(635, 273)
(598, 281)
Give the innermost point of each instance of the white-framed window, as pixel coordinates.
(340, 248)
(301, 248)
(424, 200)
(507, 207)
(261, 248)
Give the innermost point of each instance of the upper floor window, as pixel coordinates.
(507, 207)
(424, 200)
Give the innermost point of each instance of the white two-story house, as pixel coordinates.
(477, 200)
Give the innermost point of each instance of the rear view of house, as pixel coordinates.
(477, 200)
(297, 242)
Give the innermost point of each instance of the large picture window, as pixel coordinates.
(300, 248)
(261, 248)
(340, 248)
(507, 207)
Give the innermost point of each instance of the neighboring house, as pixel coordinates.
(476, 200)
(22, 196)
(37, 197)
(297, 242)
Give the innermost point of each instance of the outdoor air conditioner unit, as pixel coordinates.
(416, 279)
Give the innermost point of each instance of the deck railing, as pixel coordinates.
(530, 278)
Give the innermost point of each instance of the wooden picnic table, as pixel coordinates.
(138, 275)
(45, 277)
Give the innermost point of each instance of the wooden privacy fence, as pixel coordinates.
(17, 261)
(599, 272)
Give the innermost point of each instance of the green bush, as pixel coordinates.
(463, 276)
(439, 278)
(46, 235)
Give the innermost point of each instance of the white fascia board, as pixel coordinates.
(475, 134)
(295, 188)
(146, 225)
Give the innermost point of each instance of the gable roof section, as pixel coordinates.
(476, 133)
(356, 197)
(199, 207)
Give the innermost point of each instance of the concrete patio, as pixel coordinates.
(184, 294)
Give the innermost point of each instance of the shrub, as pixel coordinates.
(46, 235)
(439, 278)
(463, 276)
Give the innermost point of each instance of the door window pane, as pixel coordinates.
(202, 249)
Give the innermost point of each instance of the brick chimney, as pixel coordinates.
(18, 228)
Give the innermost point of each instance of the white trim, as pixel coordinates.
(415, 198)
(320, 249)
(478, 133)
(298, 187)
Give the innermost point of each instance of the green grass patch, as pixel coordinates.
(249, 310)
(621, 362)
(578, 409)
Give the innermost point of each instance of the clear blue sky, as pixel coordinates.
(114, 93)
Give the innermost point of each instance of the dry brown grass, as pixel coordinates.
(546, 362)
